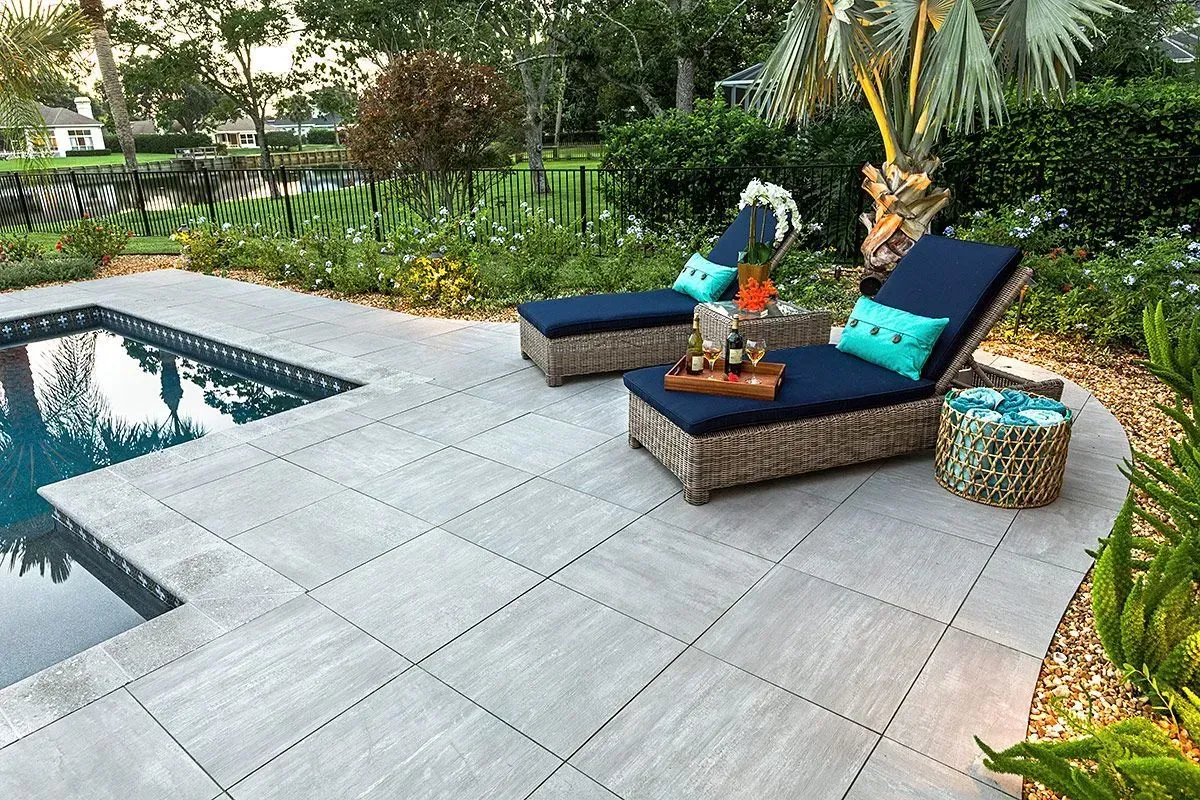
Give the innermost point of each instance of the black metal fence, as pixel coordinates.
(1114, 198)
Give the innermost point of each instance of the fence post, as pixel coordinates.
(24, 201)
(376, 217)
(287, 201)
(208, 193)
(583, 210)
(140, 199)
(78, 194)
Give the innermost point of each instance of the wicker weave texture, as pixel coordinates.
(1010, 466)
(792, 330)
(607, 351)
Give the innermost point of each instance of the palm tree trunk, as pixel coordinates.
(93, 10)
(905, 203)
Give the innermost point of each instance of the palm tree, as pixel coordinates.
(93, 10)
(923, 67)
(38, 42)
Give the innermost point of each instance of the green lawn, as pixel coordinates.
(68, 162)
(138, 245)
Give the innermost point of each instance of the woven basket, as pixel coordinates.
(1010, 466)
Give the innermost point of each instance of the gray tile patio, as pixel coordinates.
(852, 639)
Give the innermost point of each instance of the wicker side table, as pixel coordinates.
(789, 327)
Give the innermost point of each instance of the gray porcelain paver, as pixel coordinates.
(850, 653)
(109, 750)
(541, 525)
(452, 419)
(906, 489)
(234, 504)
(357, 344)
(400, 399)
(896, 561)
(355, 458)
(1018, 602)
(782, 517)
(444, 485)
(669, 579)
(1094, 478)
(304, 434)
(414, 739)
(554, 665)
(599, 408)
(180, 478)
(633, 479)
(896, 773)
(318, 542)
(568, 783)
(1060, 533)
(425, 592)
(1097, 430)
(970, 687)
(526, 390)
(534, 443)
(707, 729)
(241, 700)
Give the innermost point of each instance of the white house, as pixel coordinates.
(69, 130)
(239, 133)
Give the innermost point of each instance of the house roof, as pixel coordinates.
(241, 125)
(743, 77)
(322, 121)
(141, 127)
(1180, 46)
(62, 117)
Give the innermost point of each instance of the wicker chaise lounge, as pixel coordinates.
(834, 409)
(615, 332)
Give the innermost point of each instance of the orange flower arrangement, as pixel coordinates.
(754, 296)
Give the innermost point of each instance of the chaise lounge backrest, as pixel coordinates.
(736, 237)
(970, 283)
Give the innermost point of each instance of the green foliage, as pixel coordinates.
(320, 136)
(18, 247)
(1149, 125)
(1145, 595)
(712, 137)
(97, 239)
(1097, 292)
(17, 274)
(78, 153)
(1129, 760)
(282, 140)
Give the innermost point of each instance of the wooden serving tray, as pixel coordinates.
(771, 376)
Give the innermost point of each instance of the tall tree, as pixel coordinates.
(923, 67)
(39, 43)
(168, 90)
(296, 108)
(114, 90)
(220, 39)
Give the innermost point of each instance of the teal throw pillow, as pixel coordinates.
(704, 281)
(891, 338)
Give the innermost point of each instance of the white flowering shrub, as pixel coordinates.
(1097, 292)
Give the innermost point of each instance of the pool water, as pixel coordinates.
(70, 405)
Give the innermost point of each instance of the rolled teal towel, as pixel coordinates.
(1042, 417)
(1017, 418)
(1015, 400)
(977, 397)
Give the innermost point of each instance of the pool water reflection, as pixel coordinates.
(68, 406)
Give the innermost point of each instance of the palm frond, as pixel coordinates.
(797, 79)
(960, 79)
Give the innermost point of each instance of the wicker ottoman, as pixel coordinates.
(790, 327)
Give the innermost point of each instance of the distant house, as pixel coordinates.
(240, 133)
(143, 127)
(736, 88)
(325, 122)
(67, 130)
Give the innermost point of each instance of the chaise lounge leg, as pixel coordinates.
(525, 356)
(695, 497)
(554, 380)
(634, 443)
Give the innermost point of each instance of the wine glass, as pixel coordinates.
(712, 351)
(755, 350)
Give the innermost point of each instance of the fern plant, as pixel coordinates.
(1129, 760)
(1144, 588)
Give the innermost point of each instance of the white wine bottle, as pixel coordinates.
(734, 348)
(695, 348)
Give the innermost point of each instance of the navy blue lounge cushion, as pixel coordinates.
(941, 277)
(592, 313)
(570, 316)
(818, 380)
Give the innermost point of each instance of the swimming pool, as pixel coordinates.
(76, 400)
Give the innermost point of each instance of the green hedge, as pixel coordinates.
(318, 136)
(159, 142)
(29, 272)
(77, 153)
(282, 139)
(1122, 158)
